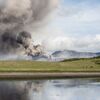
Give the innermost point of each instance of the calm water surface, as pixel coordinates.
(66, 89)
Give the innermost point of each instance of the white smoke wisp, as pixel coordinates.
(15, 17)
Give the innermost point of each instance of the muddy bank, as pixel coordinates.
(40, 75)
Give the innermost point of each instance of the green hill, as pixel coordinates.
(71, 65)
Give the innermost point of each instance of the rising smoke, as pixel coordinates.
(15, 17)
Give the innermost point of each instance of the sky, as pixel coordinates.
(75, 25)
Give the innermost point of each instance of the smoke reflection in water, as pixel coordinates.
(74, 89)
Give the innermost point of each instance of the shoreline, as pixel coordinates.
(48, 75)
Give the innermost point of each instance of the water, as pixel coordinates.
(66, 89)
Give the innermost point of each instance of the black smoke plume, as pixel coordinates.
(16, 16)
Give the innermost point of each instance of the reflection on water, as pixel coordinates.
(67, 89)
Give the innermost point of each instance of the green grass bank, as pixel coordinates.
(71, 65)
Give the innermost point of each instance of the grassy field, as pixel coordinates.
(72, 65)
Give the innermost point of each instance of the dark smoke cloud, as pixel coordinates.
(12, 43)
(15, 17)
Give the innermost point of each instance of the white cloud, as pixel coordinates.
(58, 43)
(74, 27)
(81, 14)
(61, 42)
(98, 37)
(79, 19)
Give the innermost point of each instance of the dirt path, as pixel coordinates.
(45, 75)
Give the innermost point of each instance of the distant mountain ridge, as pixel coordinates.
(65, 54)
(74, 54)
(98, 54)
